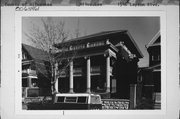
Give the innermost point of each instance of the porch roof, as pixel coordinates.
(92, 51)
(114, 37)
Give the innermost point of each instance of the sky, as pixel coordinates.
(142, 29)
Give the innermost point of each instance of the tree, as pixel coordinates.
(44, 38)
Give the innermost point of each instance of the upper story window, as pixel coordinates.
(155, 58)
(24, 56)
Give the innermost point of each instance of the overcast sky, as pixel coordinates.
(142, 29)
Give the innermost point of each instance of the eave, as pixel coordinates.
(92, 51)
(153, 40)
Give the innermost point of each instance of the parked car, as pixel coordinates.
(69, 102)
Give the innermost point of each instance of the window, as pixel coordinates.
(60, 99)
(155, 57)
(24, 56)
(82, 99)
(159, 57)
(152, 58)
(34, 82)
(95, 70)
(113, 86)
(95, 100)
(71, 99)
(77, 70)
(24, 82)
(33, 92)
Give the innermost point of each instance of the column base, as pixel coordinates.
(107, 90)
(71, 91)
(88, 90)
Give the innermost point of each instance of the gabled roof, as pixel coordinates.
(155, 40)
(104, 35)
(35, 53)
(39, 57)
(98, 34)
(88, 38)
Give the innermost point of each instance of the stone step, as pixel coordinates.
(111, 104)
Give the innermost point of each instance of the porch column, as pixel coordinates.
(71, 76)
(29, 82)
(88, 90)
(56, 78)
(108, 73)
(29, 79)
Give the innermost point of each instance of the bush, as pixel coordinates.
(145, 104)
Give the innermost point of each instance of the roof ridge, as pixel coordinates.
(153, 39)
(95, 34)
(35, 53)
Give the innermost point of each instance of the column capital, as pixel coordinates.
(87, 45)
(110, 53)
(69, 59)
(107, 41)
(87, 57)
(56, 65)
(107, 53)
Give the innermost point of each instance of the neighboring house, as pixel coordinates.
(104, 63)
(154, 50)
(35, 72)
(151, 76)
(0, 64)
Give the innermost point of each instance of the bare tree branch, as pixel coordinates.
(44, 38)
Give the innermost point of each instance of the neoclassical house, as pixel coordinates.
(104, 63)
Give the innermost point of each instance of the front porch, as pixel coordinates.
(90, 75)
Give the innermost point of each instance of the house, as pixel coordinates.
(35, 72)
(104, 63)
(151, 76)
